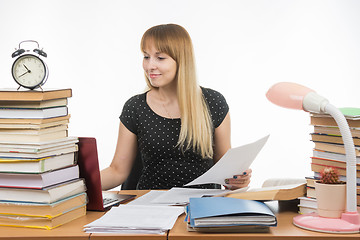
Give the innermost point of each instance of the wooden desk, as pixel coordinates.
(285, 230)
(71, 230)
(285, 211)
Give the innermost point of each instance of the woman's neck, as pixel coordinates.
(167, 95)
(164, 102)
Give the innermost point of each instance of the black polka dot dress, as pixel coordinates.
(165, 165)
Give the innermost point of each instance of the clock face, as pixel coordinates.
(29, 71)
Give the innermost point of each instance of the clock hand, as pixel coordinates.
(24, 73)
(27, 69)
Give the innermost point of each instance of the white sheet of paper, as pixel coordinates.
(235, 161)
(181, 196)
(147, 198)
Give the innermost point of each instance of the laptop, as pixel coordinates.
(89, 170)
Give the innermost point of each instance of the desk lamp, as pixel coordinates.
(295, 96)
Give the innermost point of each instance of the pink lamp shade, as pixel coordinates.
(288, 95)
(296, 96)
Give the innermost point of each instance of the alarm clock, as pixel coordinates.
(28, 69)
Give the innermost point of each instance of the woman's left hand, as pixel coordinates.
(239, 181)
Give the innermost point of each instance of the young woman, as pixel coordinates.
(180, 128)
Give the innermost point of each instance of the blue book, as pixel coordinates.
(228, 212)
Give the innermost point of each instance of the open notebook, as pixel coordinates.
(89, 170)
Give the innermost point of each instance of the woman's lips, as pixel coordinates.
(152, 75)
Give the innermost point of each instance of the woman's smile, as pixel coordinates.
(154, 75)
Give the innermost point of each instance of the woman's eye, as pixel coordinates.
(161, 58)
(146, 57)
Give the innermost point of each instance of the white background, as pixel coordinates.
(241, 47)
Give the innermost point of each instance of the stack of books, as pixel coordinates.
(329, 151)
(39, 178)
(223, 214)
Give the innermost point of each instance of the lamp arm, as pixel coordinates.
(350, 156)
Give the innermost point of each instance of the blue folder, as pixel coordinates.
(224, 206)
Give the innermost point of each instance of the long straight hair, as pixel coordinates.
(196, 125)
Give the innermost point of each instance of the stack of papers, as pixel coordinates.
(142, 219)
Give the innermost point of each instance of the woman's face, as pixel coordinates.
(159, 67)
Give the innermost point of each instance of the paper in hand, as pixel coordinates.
(235, 161)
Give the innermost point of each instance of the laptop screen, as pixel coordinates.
(89, 170)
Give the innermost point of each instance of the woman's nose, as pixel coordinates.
(152, 64)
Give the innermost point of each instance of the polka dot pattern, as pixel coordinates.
(165, 165)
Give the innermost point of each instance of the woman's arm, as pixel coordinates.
(120, 167)
(222, 143)
(222, 138)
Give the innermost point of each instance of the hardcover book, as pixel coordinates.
(45, 222)
(12, 94)
(36, 165)
(46, 195)
(39, 180)
(43, 209)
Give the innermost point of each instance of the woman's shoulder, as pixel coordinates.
(212, 95)
(136, 99)
(217, 104)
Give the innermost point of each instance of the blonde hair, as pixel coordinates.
(196, 125)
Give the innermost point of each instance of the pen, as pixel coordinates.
(231, 192)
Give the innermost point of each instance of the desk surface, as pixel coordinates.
(285, 211)
(73, 229)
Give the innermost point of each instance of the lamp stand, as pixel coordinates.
(348, 223)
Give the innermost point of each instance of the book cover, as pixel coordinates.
(40, 180)
(43, 209)
(329, 121)
(14, 122)
(47, 195)
(40, 145)
(32, 138)
(40, 154)
(335, 148)
(6, 126)
(282, 192)
(224, 211)
(332, 139)
(332, 156)
(306, 210)
(355, 132)
(12, 94)
(37, 165)
(42, 222)
(37, 147)
(310, 192)
(34, 104)
(341, 170)
(349, 113)
(331, 163)
(308, 202)
(25, 113)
